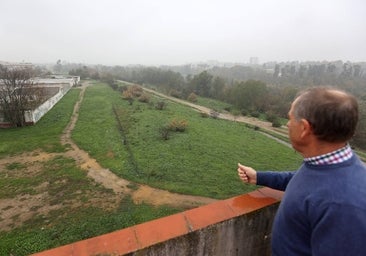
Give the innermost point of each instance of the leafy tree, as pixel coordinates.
(250, 95)
(217, 88)
(201, 84)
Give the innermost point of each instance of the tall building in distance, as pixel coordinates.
(253, 61)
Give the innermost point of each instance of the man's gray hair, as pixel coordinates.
(332, 113)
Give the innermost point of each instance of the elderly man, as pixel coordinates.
(323, 210)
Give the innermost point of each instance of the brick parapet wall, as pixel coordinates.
(237, 226)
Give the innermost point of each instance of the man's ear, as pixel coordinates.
(306, 128)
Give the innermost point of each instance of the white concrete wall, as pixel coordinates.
(35, 115)
(63, 83)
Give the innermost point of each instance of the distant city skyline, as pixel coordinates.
(163, 32)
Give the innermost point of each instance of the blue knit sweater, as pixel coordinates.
(323, 211)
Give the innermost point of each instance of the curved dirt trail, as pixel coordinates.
(109, 180)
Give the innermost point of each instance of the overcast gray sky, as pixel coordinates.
(158, 32)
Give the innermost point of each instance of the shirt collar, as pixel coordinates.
(335, 157)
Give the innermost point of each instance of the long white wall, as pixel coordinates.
(35, 115)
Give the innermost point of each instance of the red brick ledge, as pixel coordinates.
(156, 231)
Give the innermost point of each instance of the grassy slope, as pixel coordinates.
(200, 161)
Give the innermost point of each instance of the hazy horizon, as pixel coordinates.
(163, 32)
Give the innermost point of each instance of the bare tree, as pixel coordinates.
(17, 93)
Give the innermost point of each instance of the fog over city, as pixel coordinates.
(168, 32)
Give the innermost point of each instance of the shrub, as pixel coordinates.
(175, 93)
(178, 125)
(164, 132)
(160, 105)
(192, 97)
(122, 88)
(133, 91)
(126, 95)
(244, 112)
(144, 98)
(136, 90)
(255, 114)
(276, 123)
(271, 117)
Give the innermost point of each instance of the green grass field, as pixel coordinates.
(202, 160)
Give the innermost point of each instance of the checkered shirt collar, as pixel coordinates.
(335, 157)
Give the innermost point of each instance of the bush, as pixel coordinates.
(160, 105)
(164, 132)
(255, 114)
(178, 125)
(276, 123)
(244, 112)
(122, 88)
(126, 95)
(144, 98)
(192, 97)
(271, 117)
(175, 93)
(135, 90)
